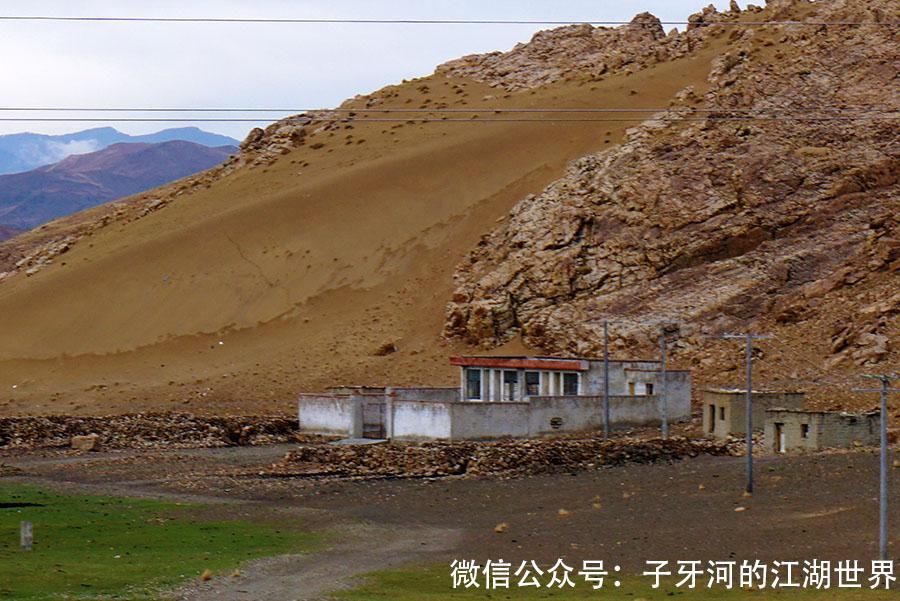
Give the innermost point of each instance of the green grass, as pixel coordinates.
(88, 548)
(434, 584)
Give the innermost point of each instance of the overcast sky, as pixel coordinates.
(256, 65)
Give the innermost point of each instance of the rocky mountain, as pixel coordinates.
(746, 180)
(85, 180)
(27, 151)
(769, 199)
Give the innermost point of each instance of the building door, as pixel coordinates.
(711, 427)
(779, 438)
(373, 419)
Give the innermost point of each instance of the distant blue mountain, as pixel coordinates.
(27, 151)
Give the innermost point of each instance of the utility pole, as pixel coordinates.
(605, 379)
(884, 390)
(664, 401)
(748, 397)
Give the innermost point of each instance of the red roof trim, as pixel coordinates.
(521, 363)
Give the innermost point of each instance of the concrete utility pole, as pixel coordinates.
(885, 389)
(663, 399)
(748, 398)
(605, 379)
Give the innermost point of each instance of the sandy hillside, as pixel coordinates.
(327, 252)
(292, 274)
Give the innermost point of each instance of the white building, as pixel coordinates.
(504, 396)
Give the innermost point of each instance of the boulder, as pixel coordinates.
(87, 442)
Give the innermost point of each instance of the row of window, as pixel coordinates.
(536, 383)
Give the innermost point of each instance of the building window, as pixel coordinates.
(570, 384)
(532, 383)
(804, 430)
(510, 385)
(473, 384)
(722, 414)
(648, 388)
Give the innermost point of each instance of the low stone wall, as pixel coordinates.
(520, 457)
(146, 430)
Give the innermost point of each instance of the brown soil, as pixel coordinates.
(292, 276)
(817, 506)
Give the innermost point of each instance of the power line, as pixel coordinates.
(40, 18)
(434, 110)
(417, 120)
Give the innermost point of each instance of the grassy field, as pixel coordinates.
(434, 584)
(112, 548)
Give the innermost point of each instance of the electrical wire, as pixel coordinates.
(433, 110)
(418, 120)
(337, 21)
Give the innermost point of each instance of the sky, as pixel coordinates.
(298, 66)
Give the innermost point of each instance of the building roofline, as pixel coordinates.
(558, 358)
(521, 362)
(823, 412)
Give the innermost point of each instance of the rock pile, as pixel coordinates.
(509, 457)
(144, 430)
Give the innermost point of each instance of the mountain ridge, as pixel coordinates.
(26, 151)
(82, 181)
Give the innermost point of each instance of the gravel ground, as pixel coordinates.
(814, 506)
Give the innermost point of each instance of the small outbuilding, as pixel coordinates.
(725, 409)
(789, 430)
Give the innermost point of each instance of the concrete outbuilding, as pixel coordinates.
(725, 410)
(801, 430)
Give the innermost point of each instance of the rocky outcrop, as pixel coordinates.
(746, 208)
(585, 52)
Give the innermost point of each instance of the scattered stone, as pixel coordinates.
(87, 442)
(147, 430)
(501, 527)
(473, 459)
(388, 348)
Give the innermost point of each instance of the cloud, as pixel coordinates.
(262, 65)
(46, 152)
